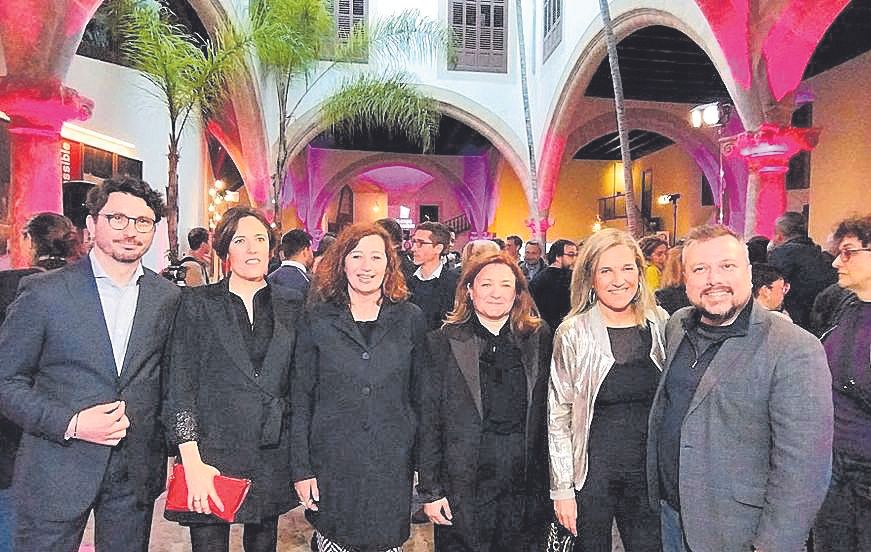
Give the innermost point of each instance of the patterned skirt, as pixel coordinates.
(326, 545)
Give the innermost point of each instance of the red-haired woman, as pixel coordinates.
(483, 451)
(354, 401)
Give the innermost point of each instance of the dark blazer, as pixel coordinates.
(57, 360)
(756, 455)
(808, 270)
(439, 300)
(290, 277)
(354, 418)
(10, 434)
(238, 415)
(451, 424)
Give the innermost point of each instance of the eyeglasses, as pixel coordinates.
(420, 243)
(847, 254)
(119, 221)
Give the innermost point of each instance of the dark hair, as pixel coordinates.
(648, 245)
(791, 224)
(500, 242)
(295, 241)
(557, 249)
(707, 232)
(536, 243)
(515, 240)
(764, 275)
(53, 236)
(197, 237)
(331, 283)
(523, 316)
(859, 227)
(441, 234)
(757, 248)
(226, 229)
(392, 227)
(99, 195)
(326, 242)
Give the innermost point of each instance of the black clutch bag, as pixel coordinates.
(559, 539)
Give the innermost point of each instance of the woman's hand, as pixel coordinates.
(566, 511)
(200, 479)
(307, 491)
(439, 511)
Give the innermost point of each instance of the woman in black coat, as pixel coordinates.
(483, 451)
(355, 396)
(229, 386)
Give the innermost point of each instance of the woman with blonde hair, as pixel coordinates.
(355, 396)
(607, 359)
(483, 453)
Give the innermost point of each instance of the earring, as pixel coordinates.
(637, 295)
(592, 298)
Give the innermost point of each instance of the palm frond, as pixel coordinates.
(388, 102)
(290, 35)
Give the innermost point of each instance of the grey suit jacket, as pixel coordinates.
(55, 360)
(755, 458)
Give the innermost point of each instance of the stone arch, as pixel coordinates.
(474, 207)
(628, 16)
(695, 143)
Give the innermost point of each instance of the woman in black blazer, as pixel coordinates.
(229, 386)
(355, 396)
(483, 450)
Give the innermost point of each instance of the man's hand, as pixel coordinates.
(103, 424)
(439, 511)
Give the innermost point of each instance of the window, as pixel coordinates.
(799, 175)
(347, 14)
(553, 26)
(479, 35)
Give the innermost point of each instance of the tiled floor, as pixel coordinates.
(294, 533)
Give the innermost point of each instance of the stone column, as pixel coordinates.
(36, 110)
(767, 152)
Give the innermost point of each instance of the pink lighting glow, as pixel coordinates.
(729, 19)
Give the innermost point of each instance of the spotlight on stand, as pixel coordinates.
(665, 199)
(713, 114)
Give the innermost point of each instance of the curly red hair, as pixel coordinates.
(330, 283)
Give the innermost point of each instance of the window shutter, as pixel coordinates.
(348, 13)
(553, 26)
(479, 30)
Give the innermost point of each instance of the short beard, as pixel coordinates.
(716, 317)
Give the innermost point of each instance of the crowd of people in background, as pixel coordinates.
(709, 394)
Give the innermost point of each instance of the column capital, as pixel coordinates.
(769, 148)
(41, 106)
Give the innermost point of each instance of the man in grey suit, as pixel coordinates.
(81, 372)
(739, 445)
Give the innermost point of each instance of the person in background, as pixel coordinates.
(356, 396)
(500, 242)
(473, 249)
(655, 250)
(51, 241)
(396, 236)
(769, 287)
(532, 262)
(198, 261)
(512, 247)
(844, 521)
(757, 248)
(803, 264)
(672, 294)
(551, 288)
(432, 286)
(483, 451)
(607, 359)
(296, 262)
(228, 388)
(323, 246)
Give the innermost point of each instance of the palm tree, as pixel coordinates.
(633, 215)
(527, 115)
(296, 41)
(186, 72)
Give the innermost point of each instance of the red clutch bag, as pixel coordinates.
(231, 490)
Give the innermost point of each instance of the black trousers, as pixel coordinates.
(121, 522)
(843, 523)
(215, 537)
(623, 496)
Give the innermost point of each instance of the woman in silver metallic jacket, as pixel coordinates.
(607, 360)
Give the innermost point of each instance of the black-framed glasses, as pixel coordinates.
(420, 243)
(847, 254)
(120, 221)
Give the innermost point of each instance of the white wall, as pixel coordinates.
(124, 108)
